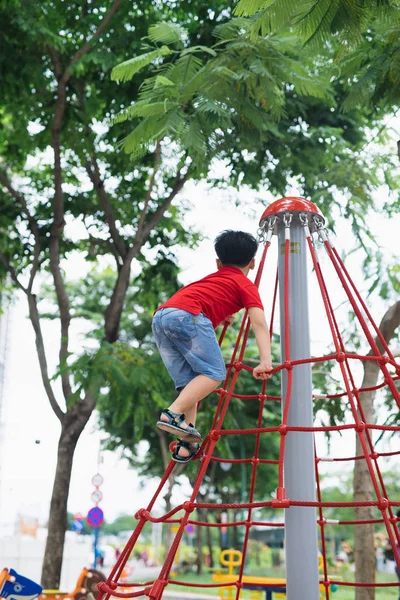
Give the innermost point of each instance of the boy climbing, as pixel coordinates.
(184, 326)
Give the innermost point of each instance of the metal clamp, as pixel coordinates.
(287, 219)
(320, 227)
(261, 237)
(304, 223)
(266, 231)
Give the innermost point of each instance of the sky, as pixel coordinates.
(29, 431)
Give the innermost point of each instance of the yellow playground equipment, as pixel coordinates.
(273, 587)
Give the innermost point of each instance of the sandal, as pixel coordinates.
(173, 425)
(192, 448)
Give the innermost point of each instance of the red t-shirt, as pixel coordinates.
(217, 296)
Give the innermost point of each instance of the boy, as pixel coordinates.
(184, 326)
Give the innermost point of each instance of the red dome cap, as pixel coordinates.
(290, 204)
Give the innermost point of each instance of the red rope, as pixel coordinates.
(182, 515)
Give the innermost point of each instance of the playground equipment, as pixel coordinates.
(14, 586)
(272, 586)
(301, 230)
(85, 588)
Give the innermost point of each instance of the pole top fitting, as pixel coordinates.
(293, 205)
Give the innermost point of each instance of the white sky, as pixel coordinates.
(27, 468)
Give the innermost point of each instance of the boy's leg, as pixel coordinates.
(186, 403)
(192, 393)
(200, 372)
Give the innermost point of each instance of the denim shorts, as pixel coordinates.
(188, 345)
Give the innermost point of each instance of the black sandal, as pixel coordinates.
(192, 448)
(173, 425)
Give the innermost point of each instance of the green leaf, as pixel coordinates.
(126, 70)
(145, 109)
(167, 33)
(196, 49)
(160, 80)
(250, 7)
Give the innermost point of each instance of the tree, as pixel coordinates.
(58, 171)
(318, 21)
(282, 133)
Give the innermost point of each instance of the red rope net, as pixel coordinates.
(181, 515)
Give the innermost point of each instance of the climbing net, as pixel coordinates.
(316, 236)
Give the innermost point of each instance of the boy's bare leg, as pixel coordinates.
(192, 393)
(191, 414)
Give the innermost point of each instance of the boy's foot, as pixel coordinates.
(175, 423)
(184, 452)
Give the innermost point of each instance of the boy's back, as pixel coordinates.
(217, 295)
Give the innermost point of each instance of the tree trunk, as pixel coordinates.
(73, 425)
(364, 551)
(209, 541)
(199, 541)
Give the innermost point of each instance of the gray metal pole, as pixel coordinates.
(301, 540)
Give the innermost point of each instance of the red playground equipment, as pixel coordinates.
(301, 232)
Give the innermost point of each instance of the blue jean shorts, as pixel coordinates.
(188, 345)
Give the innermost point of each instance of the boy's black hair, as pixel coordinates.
(235, 248)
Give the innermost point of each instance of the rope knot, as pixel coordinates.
(360, 427)
(383, 504)
(374, 455)
(188, 506)
(340, 357)
(142, 513)
(248, 524)
(282, 429)
(238, 366)
(382, 360)
(214, 435)
(287, 365)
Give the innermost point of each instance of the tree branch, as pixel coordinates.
(32, 225)
(94, 175)
(55, 239)
(35, 320)
(157, 216)
(157, 157)
(12, 272)
(388, 325)
(86, 46)
(114, 309)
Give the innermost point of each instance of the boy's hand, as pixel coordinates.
(262, 371)
(229, 320)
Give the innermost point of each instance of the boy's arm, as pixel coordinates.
(261, 331)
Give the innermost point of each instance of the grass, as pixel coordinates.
(343, 593)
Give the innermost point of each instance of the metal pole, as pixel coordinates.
(301, 540)
(95, 543)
